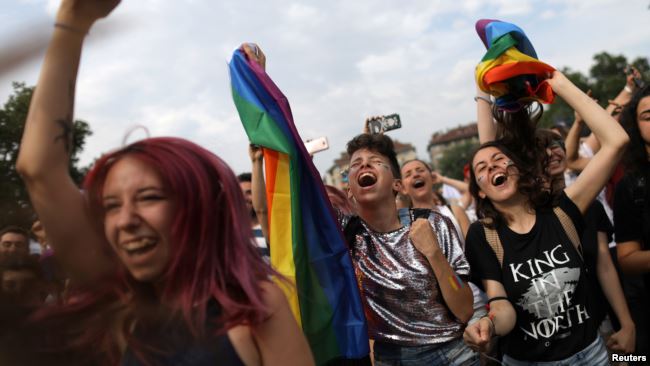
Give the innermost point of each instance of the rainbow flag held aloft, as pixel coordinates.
(510, 69)
(306, 243)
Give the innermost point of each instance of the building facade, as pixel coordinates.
(441, 141)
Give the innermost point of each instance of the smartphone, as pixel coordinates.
(638, 82)
(419, 213)
(316, 145)
(384, 123)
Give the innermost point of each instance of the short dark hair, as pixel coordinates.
(378, 143)
(244, 177)
(16, 230)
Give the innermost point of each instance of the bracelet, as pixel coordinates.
(69, 28)
(628, 89)
(485, 99)
(491, 317)
(496, 298)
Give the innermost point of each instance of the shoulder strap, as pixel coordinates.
(492, 237)
(569, 228)
(350, 230)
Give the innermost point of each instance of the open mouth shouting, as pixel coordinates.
(499, 179)
(366, 179)
(418, 183)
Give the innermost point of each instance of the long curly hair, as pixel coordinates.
(529, 185)
(636, 156)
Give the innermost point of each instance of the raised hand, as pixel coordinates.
(81, 14)
(366, 125)
(436, 177)
(254, 52)
(255, 152)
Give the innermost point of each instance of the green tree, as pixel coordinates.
(15, 207)
(605, 80)
(455, 157)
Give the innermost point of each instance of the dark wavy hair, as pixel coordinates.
(636, 156)
(379, 143)
(530, 185)
(517, 131)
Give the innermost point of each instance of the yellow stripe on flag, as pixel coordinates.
(281, 241)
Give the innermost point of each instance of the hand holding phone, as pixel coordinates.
(384, 123)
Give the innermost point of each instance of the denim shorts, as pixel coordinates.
(593, 355)
(454, 353)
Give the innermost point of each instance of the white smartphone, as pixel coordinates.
(316, 145)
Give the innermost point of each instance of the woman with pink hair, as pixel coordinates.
(158, 245)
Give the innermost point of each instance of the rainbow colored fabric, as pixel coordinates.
(306, 243)
(510, 69)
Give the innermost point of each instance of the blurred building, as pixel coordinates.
(337, 174)
(441, 141)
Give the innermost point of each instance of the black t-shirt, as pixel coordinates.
(632, 219)
(596, 220)
(544, 279)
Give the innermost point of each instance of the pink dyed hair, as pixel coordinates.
(339, 200)
(213, 255)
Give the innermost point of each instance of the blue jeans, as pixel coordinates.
(454, 353)
(593, 355)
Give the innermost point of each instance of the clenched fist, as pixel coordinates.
(423, 238)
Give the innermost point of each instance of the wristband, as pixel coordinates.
(485, 99)
(628, 89)
(496, 298)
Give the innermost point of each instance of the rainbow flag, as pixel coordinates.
(510, 69)
(306, 243)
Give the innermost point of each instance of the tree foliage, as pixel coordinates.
(15, 207)
(455, 157)
(605, 80)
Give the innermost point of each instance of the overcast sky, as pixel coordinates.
(163, 64)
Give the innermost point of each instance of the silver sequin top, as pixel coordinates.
(402, 299)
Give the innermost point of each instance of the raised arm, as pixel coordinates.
(47, 142)
(461, 186)
(487, 129)
(258, 188)
(574, 161)
(611, 135)
(614, 108)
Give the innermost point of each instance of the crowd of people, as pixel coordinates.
(162, 256)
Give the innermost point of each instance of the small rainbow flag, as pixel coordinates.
(510, 69)
(306, 243)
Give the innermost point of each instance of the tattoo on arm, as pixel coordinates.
(66, 123)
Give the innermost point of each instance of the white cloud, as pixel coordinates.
(163, 63)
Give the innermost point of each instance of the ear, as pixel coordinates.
(481, 194)
(397, 186)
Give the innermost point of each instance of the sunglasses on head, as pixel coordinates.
(557, 143)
